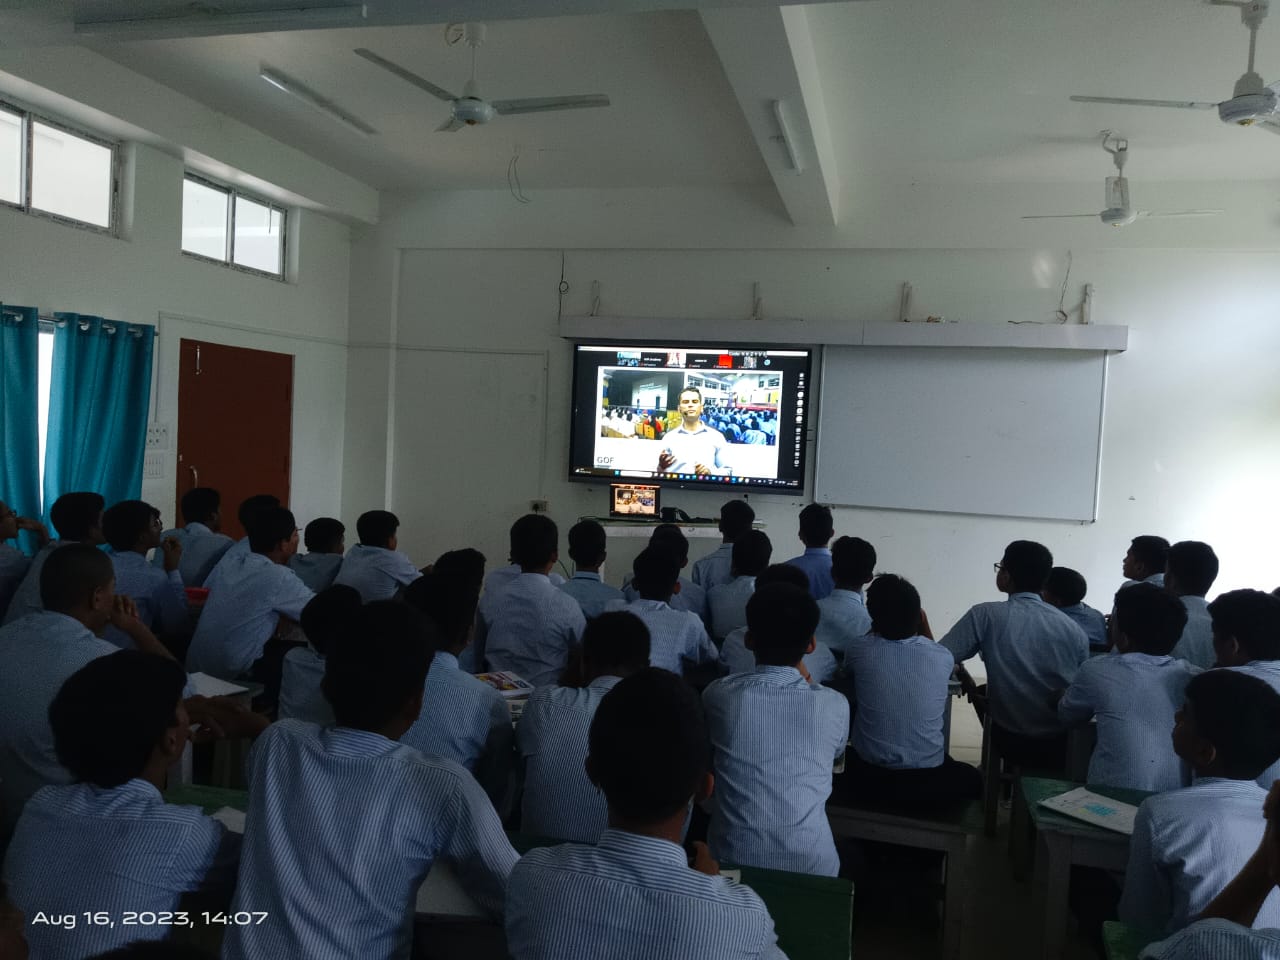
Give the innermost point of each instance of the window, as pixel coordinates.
(220, 223)
(49, 169)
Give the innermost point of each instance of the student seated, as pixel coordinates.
(1187, 844)
(1135, 693)
(76, 518)
(900, 678)
(818, 666)
(843, 618)
(108, 841)
(328, 615)
(728, 601)
(816, 530)
(690, 596)
(633, 895)
(1145, 561)
(736, 517)
(132, 529)
(501, 578)
(559, 801)
(529, 626)
(587, 549)
(1190, 571)
(338, 878)
(14, 564)
(325, 539)
(374, 566)
(1066, 589)
(775, 740)
(250, 513)
(675, 636)
(1246, 639)
(200, 536)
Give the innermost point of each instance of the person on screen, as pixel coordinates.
(693, 447)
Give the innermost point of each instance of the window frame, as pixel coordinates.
(230, 262)
(28, 120)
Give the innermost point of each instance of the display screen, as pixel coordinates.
(690, 415)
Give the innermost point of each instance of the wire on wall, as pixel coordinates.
(513, 177)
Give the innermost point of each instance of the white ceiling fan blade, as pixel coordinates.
(1131, 102)
(450, 126)
(543, 104)
(1062, 216)
(407, 75)
(1147, 214)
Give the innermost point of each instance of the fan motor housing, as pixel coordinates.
(472, 110)
(1248, 109)
(1118, 216)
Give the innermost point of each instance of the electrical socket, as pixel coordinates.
(157, 436)
(539, 506)
(153, 465)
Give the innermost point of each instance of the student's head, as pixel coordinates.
(377, 528)
(751, 553)
(78, 580)
(781, 619)
(614, 644)
(816, 525)
(783, 573)
(672, 537)
(78, 517)
(449, 601)
(1147, 556)
(894, 606)
(1246, 627)
(330, 614)
(853, 562)
(202, 505)
(325, 535)
(1024, 567)
(1190, 569)
(465, 565)
(1229, 725)
(1147, 620)
(648, 749)
(251, 508)
(374, 674)
(131, 525)
(736, 517)
(1064, 588)
(655, 572)
(587, 544)
(275, 534)
(534, 543)
(120, 717)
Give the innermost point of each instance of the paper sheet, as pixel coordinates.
(1085, 805)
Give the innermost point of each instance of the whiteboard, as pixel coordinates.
(1003, 432)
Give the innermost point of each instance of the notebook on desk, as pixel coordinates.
(1093, 808)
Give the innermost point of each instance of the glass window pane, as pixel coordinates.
(259, 229)
(70, 176)
(204, 220)
(10, 157)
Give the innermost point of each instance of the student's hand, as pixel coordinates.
(703, 862)
(172, 550)
(124, 613)
(35, 527)
(665, 459)
(223, 718)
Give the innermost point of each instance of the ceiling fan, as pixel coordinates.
(471, 109)
(1119, 212)
(1252, 103)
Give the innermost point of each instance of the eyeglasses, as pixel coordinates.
(997, 566)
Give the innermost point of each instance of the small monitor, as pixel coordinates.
(637, 500)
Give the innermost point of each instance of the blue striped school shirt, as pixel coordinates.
(26, 597)
(300, 695)
(316, 570)
(1134, 696)
(690, 597)
(714, 568)
(591, 592)
(736, 658)
(1091, 621)
(343, 826)
(376, 572)
(1267, 671)
(674, 635)
(631, 898)
(81, 847)
(1196, 643)
(816, 564)
(1216, 939)
(727, 603)
(529, 627)
(201, 551)
(559, 800)
(901, 689)
(775, 740)
(160, 597)
(844, 620)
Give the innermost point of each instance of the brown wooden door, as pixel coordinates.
(235, 423)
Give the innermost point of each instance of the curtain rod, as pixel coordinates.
(49, 319)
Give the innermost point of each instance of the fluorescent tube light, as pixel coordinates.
(786, 136)
(312, 99)
(210, 23)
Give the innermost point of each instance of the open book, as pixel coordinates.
(507, 683)
(1083, 804)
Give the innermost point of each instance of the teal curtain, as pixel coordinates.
(98, 399)
(19, 378)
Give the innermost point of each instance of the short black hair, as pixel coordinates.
(1028, 564)
(816, 525)
(751, 553)
(1193, 565)
(465, 564)
(1240, 715)
(73, 515)
(378, 667)
(323, 534)
(684, 390)
(671, 536)
(199, 504)
(1252, 618)
(853, 560)
(781, 620)
(783, 573)
(329, 614)
(124, 522)
(586, 543)
(894, 605)
(1150, 551)
(1152, 618)
(253, 507)
(654, 572)
(270, 527)
(616, 643)
(736, 517)
(1066, 585)
(375, 528)
(449, 601)
(648, 747)
(71, 574)
(111, 713)
(534, 541)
